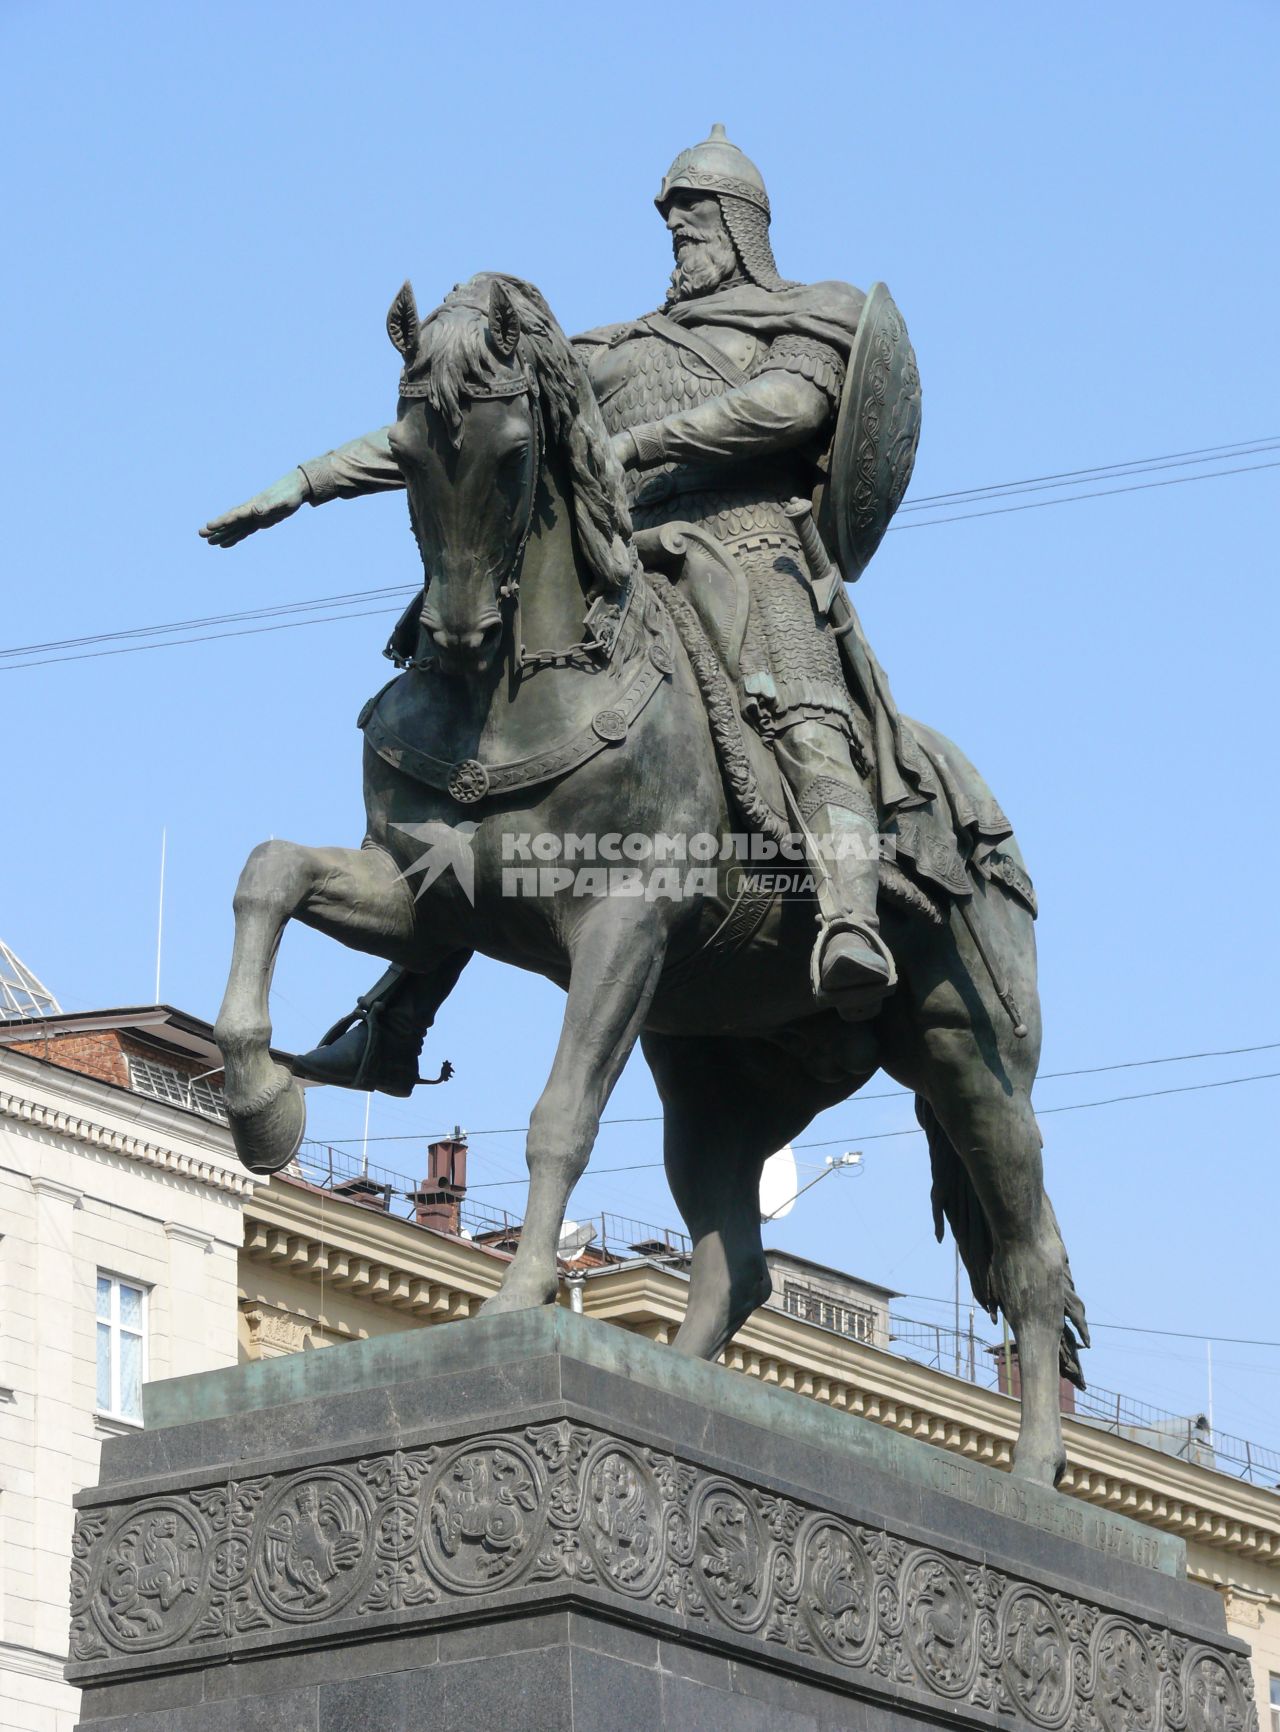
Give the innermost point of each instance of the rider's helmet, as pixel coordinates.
(715, 166)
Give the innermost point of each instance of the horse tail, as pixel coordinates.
(956, 1203)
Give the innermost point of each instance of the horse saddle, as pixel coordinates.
(950, 828)
(706, 576)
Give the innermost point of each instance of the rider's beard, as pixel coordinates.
(701, 265)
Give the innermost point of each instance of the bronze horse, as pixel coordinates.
(518, 507)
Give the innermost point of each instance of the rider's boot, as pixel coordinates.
(377, 1045)
(852, 968)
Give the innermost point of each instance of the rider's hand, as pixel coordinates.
(271, 506)
(624, 449)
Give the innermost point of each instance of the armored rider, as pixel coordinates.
(721, 407)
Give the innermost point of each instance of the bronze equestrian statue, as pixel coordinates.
(632, 626)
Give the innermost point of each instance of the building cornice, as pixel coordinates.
(189, 1236)
(436, 1278)
(46, 1187)
(378, 1257)
(33, 1662)
(21, 1105)
(1103, 1469)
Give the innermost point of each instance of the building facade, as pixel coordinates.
(320, 1267)
(135, 1248)
(120, 1210)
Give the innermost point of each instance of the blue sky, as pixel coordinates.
(211, 210)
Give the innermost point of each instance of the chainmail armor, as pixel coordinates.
(790, 651)
(815, 361)
(748, 227)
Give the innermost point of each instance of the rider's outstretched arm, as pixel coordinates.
(363, 465)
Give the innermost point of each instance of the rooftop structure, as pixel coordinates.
(22, 994)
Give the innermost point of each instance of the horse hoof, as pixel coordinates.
(516, 1299)
(268, 1133)
(1039, 1468)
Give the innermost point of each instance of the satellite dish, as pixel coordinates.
(574, 1238)
(778, 1185)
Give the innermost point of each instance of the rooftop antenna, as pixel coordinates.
(778, 1185)
(164, 843)
(574, 1237)
(22, 994)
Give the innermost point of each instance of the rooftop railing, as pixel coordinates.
(957, 1353)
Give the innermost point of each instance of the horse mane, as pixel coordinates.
(456, 355)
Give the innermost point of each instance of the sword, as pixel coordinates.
(824, 578)
(827, 590)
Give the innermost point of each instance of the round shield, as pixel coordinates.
(877, 432)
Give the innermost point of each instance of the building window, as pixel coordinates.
(162, 1083)
(1275, 1702)
(122, 1347)
(813, 1306)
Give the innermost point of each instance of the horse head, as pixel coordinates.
(490, 386)
(466, 436)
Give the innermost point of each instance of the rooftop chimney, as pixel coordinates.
(365, 1191)
(1009, 1378)
(438, 1200)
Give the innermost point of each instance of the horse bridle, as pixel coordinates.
(596, 644)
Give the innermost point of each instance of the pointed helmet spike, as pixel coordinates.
(716, 166)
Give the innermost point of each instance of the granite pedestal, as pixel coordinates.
(536, 1523)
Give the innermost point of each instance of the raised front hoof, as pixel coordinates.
(268, 1133)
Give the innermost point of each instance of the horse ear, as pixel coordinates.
(402, 322)
(504, 320)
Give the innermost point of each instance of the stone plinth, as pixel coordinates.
(531, 1523)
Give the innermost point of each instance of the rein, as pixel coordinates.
(468, 781)
(603, 620)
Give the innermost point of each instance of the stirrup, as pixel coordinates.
(862, 1002)
(371, 1016)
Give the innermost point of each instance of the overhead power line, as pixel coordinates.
(321, 613)
(915, 1131)
(1075, 498)
(325, 610)
(881, 1095)
(1126, 1328)
(1103, 472)
(213, 619)
(1070, 1107)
